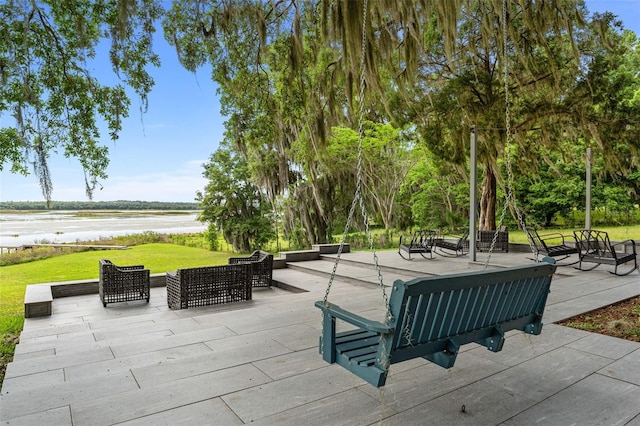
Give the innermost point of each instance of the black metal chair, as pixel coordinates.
(595, 247)
(552, 245)
(421, 243)
(452, 244)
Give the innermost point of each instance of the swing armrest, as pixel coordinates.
(336, 311)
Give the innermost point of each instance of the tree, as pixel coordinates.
(278, 83)
(608, 110)
(48, 90)
(557, 188)
(288, 72)
(234, 204)
(386, 160)
(437, 194)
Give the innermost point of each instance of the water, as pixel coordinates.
(67, 227)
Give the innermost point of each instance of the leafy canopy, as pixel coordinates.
(49, 97)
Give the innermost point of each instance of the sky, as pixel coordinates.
(160, 153)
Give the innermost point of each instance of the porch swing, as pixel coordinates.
(432, 317)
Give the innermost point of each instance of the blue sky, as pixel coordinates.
(159, 155)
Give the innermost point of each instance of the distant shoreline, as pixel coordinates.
(21, 227)
(40, 206)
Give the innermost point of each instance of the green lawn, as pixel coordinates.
(79, 266)
(618, 233)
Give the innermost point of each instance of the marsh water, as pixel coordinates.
(72, 226)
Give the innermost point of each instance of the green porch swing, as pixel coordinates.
(432, 317)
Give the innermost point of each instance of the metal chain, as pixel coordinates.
(358, 199)
(510, 198)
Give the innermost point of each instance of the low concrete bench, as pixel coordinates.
(300, 255)
(331, 248)
(38, 300)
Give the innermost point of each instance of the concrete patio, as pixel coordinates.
(257, 362)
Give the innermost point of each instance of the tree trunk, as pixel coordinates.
(488, 201)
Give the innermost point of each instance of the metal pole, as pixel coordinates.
(473, 196)
(587, 217)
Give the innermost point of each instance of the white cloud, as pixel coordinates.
(179, 184)
(172, 185)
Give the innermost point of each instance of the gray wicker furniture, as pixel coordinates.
(209, 285)
(485, 238)
(122, 283)
(262, 267)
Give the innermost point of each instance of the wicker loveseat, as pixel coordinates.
(262, 267)
(485, 238)
(209, 285)
(122, 283)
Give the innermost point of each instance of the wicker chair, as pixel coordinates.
(209, 285)
(485, 238)
(262, 266)
(123, 283)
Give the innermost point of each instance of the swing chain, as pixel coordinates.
(358, 198)
(510, 198)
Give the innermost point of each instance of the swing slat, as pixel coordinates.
(432, 317)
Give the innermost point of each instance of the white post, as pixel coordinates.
(587, 217)
(473, 196)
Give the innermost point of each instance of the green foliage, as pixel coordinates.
(586, 325)
(10, 327)
(298, 239)
(437, 194)
(281, 90)
(600, 218)
(387, 157)
(291, 97)
(557, 192)
(556, 189)
(234, 204)
(46, 52)
(381, 238)
(212, 237)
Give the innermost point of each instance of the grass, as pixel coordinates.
(617, 233)
(157, 257)
(78, 266)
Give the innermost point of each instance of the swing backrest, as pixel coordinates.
(431, 314)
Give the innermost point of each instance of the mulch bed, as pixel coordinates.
(621, 320)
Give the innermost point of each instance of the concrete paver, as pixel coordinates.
(595, 400)
(257, 361)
